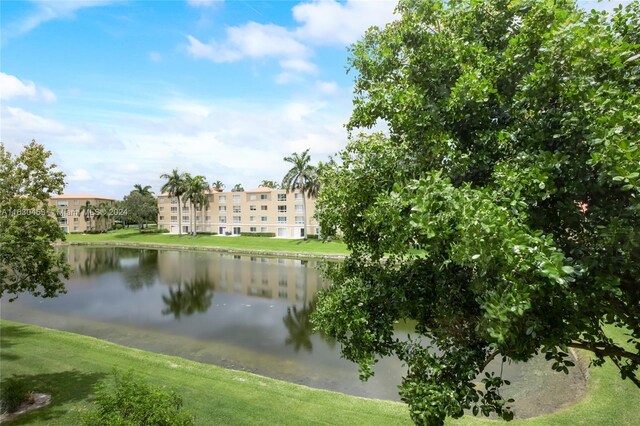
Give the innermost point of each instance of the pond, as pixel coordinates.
(249, 313)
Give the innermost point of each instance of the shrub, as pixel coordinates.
(206, 233)
(126, 399)
(154, 231)
(312, 237)
(93, 231)
(258, 234)
(13, 393)
(118, 226)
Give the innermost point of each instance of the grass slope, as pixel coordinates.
(67, 365)
(253, 244)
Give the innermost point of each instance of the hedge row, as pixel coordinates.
(258, 234)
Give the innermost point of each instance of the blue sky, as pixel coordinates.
(123, 91)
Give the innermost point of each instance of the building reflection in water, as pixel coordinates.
(196, 274)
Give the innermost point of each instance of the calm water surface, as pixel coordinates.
(244, 312)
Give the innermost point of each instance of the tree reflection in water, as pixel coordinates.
(95, 261)
(144, 275)
(298, 324)
(188, 298)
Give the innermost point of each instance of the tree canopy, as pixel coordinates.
(28, 226)
(501, 210)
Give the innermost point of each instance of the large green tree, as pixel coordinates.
(28, 226)
(501, 210)
(140, 207)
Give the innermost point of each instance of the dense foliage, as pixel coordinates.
(126, 399)
(28, 226)
(501, 210)
(13, 393)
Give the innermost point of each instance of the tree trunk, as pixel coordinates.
(304, 213)
(193, 214)
(179, 217)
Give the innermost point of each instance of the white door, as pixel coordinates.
(282, 232)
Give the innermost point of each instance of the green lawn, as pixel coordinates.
(248, 244)
(67, 365)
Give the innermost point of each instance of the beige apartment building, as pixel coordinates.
(261, 210)
(71, 219)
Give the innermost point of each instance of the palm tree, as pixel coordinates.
(88, 210)
(142, 190)
(175, 188)
(102, 213)
(196, 193)
(237, 188)
(218, 185)
(269, 184)
(303, 177)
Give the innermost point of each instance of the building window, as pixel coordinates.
(185, 218)
(75, 219)
(252, 197)
(299, 208)
(236, 209)
(222, 198)
(62, 221)
(75, 228)
(222, 208)
(236, 230)
(299, 196)
(174, 200)
(252, 218)
(62, 203)
(252, 229)
(222, 219)
(263, 196)
(236, 198)
(300, 220)
(174, 210)
(174, 218)
(237, 219)
(76, 202)
(263, 208)
(208, 218)
(253, 208)
(185, 209)
(161, 218)
(264, 229)
(282, 209)
(282, 219)
(161, 208)
(282, 197)
(263, 218)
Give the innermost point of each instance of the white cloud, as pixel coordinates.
(47, 10)
(321, 22)
(252, 40)
(300, 65)
(326, 22)
(327, 87)
(79, 175)
(155, 56)
(203, 3)
(12, 87)
(20, 126)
